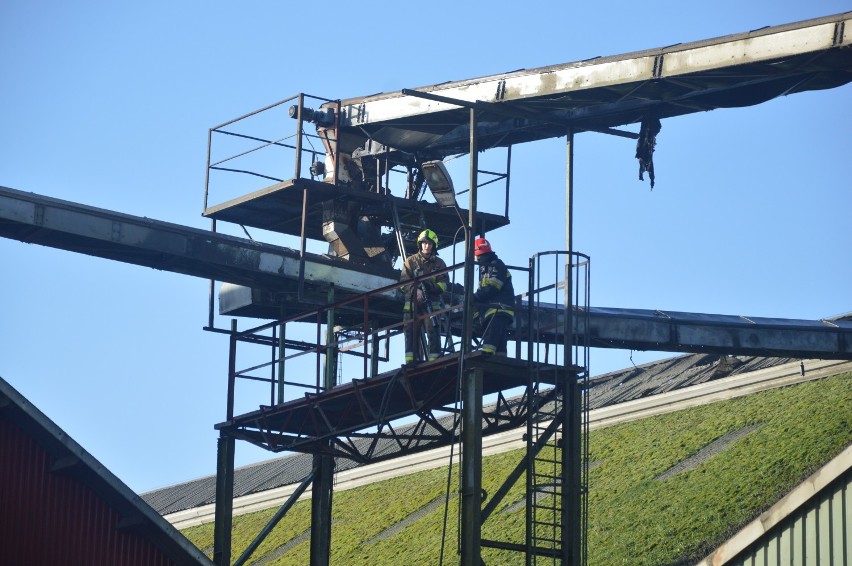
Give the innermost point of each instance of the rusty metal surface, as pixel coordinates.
(278, 208)
(354, 415)
(606, 92)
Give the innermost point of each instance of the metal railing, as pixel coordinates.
(361, 327)
(264, 144)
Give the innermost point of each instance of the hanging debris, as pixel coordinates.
(645, 146)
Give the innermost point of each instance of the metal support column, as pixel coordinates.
(282, 353)
(471, 492)
(303, 244)
(374, 353)
(471, 488)
(224, 500)
(321, 510)
(225, 469)
(569, 194)
(571, 418)
(321, 489)
(571, 492)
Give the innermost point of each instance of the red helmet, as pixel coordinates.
(481, 246)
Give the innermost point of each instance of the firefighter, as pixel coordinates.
(494, 300)
(419, 297)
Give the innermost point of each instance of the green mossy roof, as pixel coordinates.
(633, 517)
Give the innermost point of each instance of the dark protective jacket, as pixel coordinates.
(496, 292)
(417, 265)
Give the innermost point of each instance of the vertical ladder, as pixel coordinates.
(557, 424)
(545, 479)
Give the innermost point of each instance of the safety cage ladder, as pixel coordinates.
(557, 427)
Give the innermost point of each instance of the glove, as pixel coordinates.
(420, 297)
(431, 287)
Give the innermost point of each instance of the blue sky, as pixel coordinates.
(108, 104)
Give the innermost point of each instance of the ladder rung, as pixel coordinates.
(545, 527)
(553, 474)
(546, 495)
(546, 492)
(548, 524)
(549, 539)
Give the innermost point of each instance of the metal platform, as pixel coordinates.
(278, 208)
(351, 419)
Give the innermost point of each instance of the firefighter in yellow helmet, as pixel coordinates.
(419, 297)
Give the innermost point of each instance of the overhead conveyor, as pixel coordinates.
(603, 93)
(258, 274)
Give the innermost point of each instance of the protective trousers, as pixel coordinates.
(416, 325)
(494, 338)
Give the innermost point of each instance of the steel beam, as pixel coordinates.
(62, 224)
(224, 500)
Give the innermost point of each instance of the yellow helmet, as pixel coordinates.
(428, 235)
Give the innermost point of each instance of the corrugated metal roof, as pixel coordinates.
(668, 375)
(608, 389)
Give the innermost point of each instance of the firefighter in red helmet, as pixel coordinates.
(420, 296)
(494, 299)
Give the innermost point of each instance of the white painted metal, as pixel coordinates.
(751, 50)
(759, 46)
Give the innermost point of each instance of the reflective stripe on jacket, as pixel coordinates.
(495, 286)
(417, 265)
